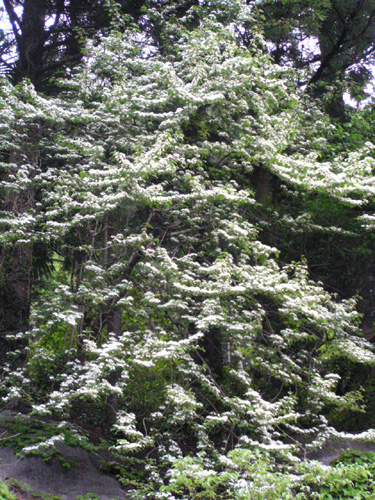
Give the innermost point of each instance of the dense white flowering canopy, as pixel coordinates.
(144, 175)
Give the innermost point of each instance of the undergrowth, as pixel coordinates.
(5, 494)
(250, 475)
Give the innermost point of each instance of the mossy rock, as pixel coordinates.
(5, 494)
(22, 490)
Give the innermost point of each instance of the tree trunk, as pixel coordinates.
(213, 352)
(31, 42)
(15, 280)
(262, 184)
(16, 270)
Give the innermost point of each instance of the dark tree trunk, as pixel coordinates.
(15, 281)
(114, 321)
(31, 42)
(262, 184)
(114, 327)
(213, 353)
(16, 270)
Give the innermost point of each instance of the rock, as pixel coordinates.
(52, 478)
(332, 450)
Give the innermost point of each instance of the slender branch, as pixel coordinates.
(337, 46)
(337, 10)
(13, 18)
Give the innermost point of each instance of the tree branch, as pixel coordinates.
(337, 46)
(13, 18)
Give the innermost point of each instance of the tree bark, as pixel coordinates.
(262, 184)
(213, 352)
(31, 40)
(15, 279)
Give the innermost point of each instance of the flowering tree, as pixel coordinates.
(172, 318)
